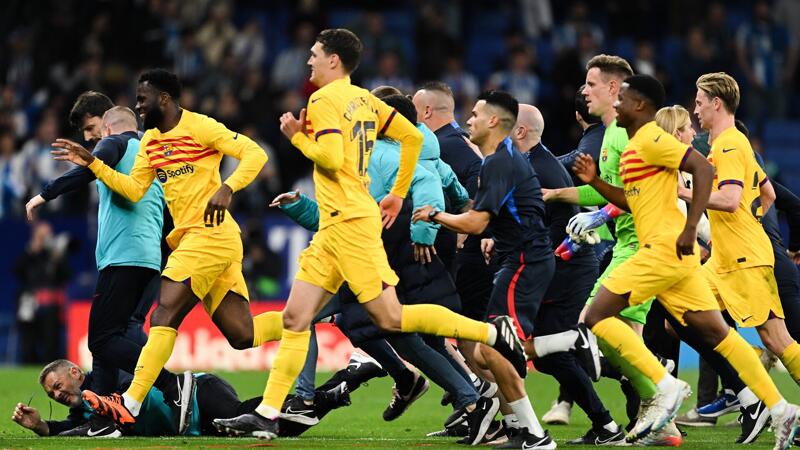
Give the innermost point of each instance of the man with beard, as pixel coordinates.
(184, 149)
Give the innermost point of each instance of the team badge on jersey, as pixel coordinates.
(167, 150)
(604, 154)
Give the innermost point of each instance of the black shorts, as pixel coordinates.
(216, 399)
(122, 293)
(474, 284)
(566, 296)
(519, 288)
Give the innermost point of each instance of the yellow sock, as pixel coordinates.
(267, 327)
(440, 321)
(287, 366)
(742, 357)
(154, 355)
(629, 345)
(791, 359)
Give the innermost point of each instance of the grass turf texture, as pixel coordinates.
(360, 425)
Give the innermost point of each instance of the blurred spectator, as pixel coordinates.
(389, 74)
(372, 32)
(189, 60)
(537, 17)
(698, 55)
(267, 183)
(290, 70)
(787, 13)
(228, 111)
(12, 176)
(644, 63)
(42, 273)
(566, 36)
(261, 266)
(519, 78)
(19, 67)
(217, 34)
(718, 36)
(433, 42)
(40, 167)
(767, 55)
(464, 85)
(249, 46)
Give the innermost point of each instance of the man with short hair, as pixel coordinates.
(338, 134)
(87, 115)
(184, 149)
(509, 203)
(667, 264)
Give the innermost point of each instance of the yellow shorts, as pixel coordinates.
(679, 287)
(749, 294)
(212, 262)
(350, 251)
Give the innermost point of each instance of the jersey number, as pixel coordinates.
(360, 131)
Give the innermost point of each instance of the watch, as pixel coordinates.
(433, 213)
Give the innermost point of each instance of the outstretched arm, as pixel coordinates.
(586, 170)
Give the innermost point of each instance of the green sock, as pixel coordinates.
(644, 387)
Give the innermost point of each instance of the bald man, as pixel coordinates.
(128, 255)
(569, 288)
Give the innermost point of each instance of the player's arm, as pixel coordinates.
(702, 178)
(470, 222)
(730, 166)
(586, 169)
(301, 209)
(108, 150)
(251, 157)
(766, 193)
(324, 144)
(132, 187)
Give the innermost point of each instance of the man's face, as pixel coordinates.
(148, 105)
(319, 63)
(478, 123)
(597, 92)
(91, 128)
(64, 386)
(704, 109)
(625, 106)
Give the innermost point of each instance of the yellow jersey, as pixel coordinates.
(649, 169)
(342, 123)
(738, 239)
(186, 161)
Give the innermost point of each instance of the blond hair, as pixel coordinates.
(611, 65)
(722, 86)
(120, 118)
(672, 118)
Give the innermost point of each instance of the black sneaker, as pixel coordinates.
(338, 396)
(251, 424)
(458, 416)
(97, 427)
(587, 352)
(509, 345)
(480, 418)
(359, 370)
(495, 434)
(402, 400)
(521, 438)
(754, 420)
(181, 401)
(447, 398)
(295, 409)
(460, 430)
(485, 388)
(600, 437)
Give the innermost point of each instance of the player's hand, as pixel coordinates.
(548, 195)
(686, 242)
(585, 168)
(217, 205)
(423, 253)
(285, 199)
(795, 257)
(460, 239)
(291, 126)
(487, 249)
(32, 204)
(390, 208)
(71, 151)
(421, 214)
(585, 221)
(26, 416)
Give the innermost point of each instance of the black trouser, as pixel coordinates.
(123, 296)
(657, 339)
(217, 399)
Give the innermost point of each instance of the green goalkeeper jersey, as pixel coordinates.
(614, 141)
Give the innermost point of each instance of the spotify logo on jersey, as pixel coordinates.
(164, 174)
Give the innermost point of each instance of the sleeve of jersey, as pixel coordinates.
(322, 142)
(426, 189)
(304, 212)
(397, 127)
(588, 196)
(495, 188)
(252, 158)
(729, 161)
(667, 152)
(132, 186)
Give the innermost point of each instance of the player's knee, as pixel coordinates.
(387, 322)
(294, 321)
(592, 318)
(241, 341)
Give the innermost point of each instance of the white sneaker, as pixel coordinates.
(669, 436)
(785, 424)
(659, 411)
(559, 414)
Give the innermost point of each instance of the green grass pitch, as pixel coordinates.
(358, 426)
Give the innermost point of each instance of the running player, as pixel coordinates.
(667, 264)
(338, 134)
(183, 150)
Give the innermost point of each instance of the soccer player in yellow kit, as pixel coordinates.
(667, 265)
(183, 150)
(337, 134)
(740, 270)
